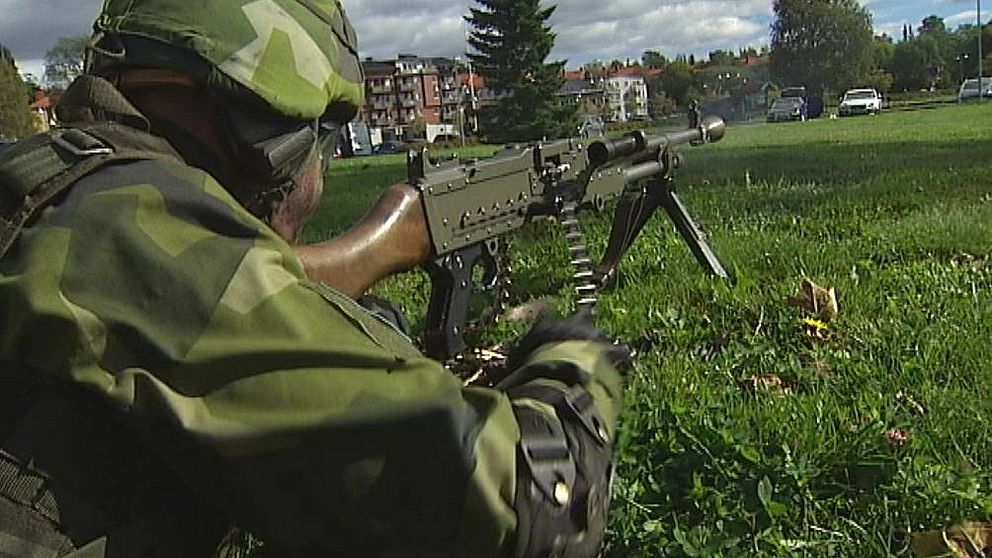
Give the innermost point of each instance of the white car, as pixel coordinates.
(969, 89)
(860, 101)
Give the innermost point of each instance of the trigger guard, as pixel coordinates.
(491, 268)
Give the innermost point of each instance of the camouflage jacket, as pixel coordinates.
(286, 404)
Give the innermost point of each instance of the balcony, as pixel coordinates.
(408, 102)
(382, 119)
(379, 88)
(406, 86)
(453, 98)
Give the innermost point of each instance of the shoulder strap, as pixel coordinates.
(35, 171)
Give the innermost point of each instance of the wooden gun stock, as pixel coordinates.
(392, 237)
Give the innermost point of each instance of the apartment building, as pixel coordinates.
(619, 95)
(413, 91)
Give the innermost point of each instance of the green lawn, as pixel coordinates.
(893, 211)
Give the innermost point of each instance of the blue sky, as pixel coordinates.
(587, 29)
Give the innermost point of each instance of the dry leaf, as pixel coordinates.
(816, 300)
(969, 539)
(897, 438)
(816, 328)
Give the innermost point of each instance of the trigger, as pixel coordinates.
(486, 272)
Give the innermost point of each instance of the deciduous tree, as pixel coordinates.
(653, 59)
(64, 61)
(15, 116)
(821, 44)
(512, 39)
(912, 61)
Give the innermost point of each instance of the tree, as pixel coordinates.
(15, 116)
(511, 42)
(31, 85)
(660, 105)
(64, 61)
(723, 58)
(964, 50)
(679, 82)
(595, 69)
(911, 61)
(882, 49)
(931, 24)
(653, 59)
(821, 44)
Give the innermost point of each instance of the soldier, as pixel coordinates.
(693, 113)
(167, 369)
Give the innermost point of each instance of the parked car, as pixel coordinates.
(786, 109)
(387, 147)
(812, 104)
(440, 138)
(969, 89)
(4, 144)
(860, 101)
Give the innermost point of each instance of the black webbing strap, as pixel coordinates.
(37, 170)
(72, 479)
(23, 535)
(29, 510)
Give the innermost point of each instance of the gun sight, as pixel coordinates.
(711, 129)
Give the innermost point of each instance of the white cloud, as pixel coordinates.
(585, 29)
(35, 68)
(890, 28)
(967, 16)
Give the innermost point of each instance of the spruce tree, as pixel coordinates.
(15, 116)
(511, 41)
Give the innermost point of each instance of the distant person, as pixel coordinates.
(693, 113)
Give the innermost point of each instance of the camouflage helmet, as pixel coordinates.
(298, 56)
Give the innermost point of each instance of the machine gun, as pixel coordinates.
(450, 218)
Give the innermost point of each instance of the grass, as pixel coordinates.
(895, 213)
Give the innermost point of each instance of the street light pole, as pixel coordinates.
(471, 91)
(978, 16)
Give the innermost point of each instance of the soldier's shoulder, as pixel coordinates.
(170, 176)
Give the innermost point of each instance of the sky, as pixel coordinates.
(586, 29)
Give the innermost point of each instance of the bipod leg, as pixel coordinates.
(691, 232)
(632, 212)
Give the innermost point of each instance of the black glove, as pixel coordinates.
(387, 312)
(577, 327)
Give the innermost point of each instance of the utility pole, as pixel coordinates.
(978, 16)
(471, 92)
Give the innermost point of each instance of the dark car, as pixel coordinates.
(786, 109)
(4, 144)
(812, 104)
(387, 147)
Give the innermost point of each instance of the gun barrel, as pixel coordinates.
(710, 129)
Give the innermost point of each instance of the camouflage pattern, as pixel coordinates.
(300, 56)
(292, 409)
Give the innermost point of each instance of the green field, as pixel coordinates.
(895, 213)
